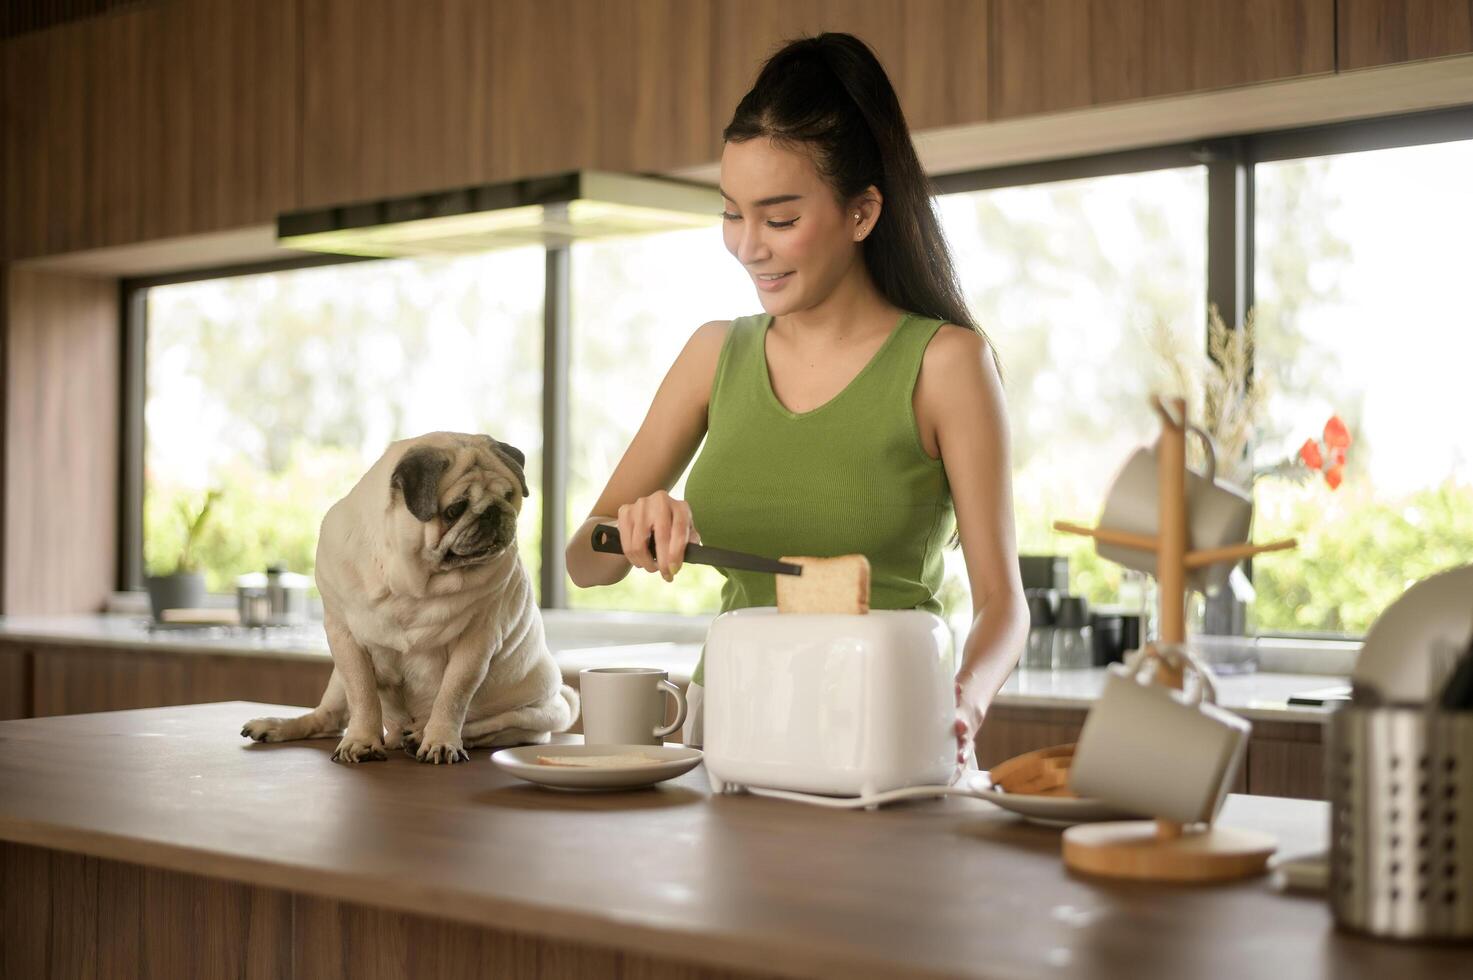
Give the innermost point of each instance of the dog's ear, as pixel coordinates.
(514, 458)
(417, 477)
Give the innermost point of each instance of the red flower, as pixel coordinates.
(1337, 436)
(1333, 475)
(1337, 456)
(1310, 453)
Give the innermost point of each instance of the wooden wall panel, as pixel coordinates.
(1380, 32)
(1049, 55)
(61, 442)
(86, 679)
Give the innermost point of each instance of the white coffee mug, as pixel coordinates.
(626, 705)
(1158, 751)
(1218, 514)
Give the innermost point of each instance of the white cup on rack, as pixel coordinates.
(1156, 750)
(1218, 514)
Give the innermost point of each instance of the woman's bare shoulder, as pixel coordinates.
(956, 354)
(958, 379)
(712, 333)
(697, 362)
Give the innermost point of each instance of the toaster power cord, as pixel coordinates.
(964, 787)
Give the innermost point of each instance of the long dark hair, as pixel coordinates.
(830, 96)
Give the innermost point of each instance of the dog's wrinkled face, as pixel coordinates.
(466, 491)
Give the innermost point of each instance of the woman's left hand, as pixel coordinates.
(969, 714)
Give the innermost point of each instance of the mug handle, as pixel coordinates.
(1152, 654)
(1207, 448)
(674, 692)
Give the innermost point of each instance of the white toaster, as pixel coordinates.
(842, 705)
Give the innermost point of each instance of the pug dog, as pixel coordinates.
(437, 644)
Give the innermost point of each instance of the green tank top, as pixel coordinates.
(848, 477)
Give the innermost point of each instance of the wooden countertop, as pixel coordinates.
(954, 887)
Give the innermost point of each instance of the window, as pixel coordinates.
(635, 304)
(280, 389)
(1075, 283)
(1362, 265)
(1090, 276)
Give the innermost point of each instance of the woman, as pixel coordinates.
(863, 412)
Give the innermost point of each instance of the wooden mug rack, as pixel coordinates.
(1164, 850)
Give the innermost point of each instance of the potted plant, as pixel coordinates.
(183, 586)
(1222, 391)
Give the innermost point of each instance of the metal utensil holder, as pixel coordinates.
(1401, 825)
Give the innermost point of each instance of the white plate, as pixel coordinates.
(1050, 811)
(522, 763)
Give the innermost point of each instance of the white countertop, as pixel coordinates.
(578, 642)
(1260, 695)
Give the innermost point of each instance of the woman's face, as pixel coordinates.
(784, 225)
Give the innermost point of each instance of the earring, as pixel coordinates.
(856, 215)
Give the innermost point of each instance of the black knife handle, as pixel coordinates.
(606, 539)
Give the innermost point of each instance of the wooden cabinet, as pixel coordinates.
(1284, 758)
(186, 116)
(1379, 32)
(935, 51)
(15, 681)
(436, 95)
(217, 137)
(392, 102)
(1287, 759)
(431, 95)
(1049, 55)
(69, 680)
(162, 120)
(42, 86)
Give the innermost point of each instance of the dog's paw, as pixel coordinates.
(411, 737)
(437, 748)
(353, 750)
(266, 729)
(393, 737)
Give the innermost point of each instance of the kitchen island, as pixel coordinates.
(158, 842)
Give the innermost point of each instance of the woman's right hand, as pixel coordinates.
(670, 521)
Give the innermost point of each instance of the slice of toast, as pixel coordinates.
(1022, 766)
(827, 585)
(1052, 775)
(598, 761)
(1042, 772)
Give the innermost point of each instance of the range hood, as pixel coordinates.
(550, 211)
